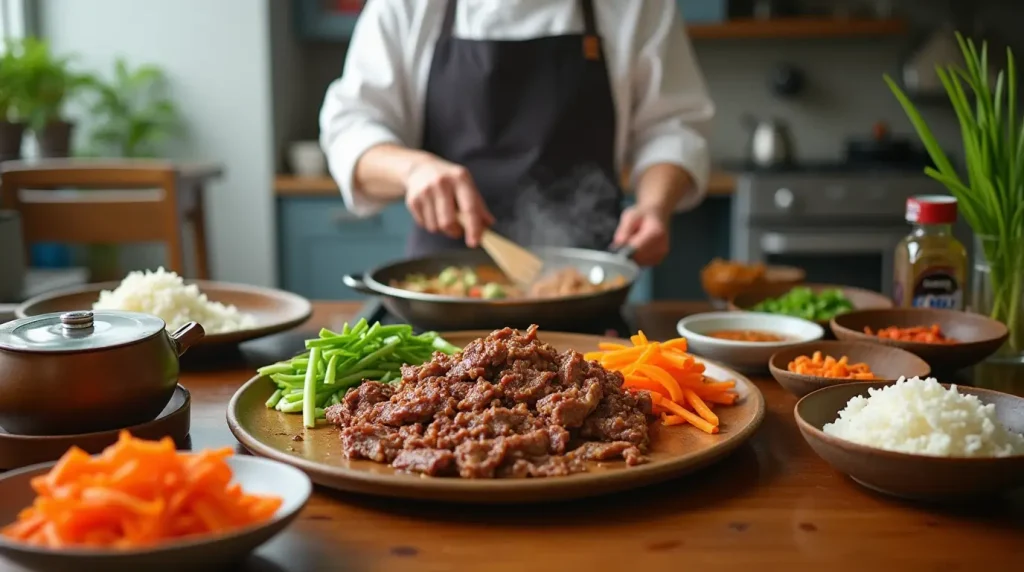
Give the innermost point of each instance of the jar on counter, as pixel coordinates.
(931, 264)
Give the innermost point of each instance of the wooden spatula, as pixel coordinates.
(519, 264)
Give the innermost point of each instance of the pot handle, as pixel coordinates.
(357, 283)
(187, 336)
(625, 251)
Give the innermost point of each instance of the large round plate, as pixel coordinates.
(274, 310)
(674, 451)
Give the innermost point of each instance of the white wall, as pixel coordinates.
(217, 57)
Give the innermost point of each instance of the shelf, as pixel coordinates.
(720, 184)
(797, 28)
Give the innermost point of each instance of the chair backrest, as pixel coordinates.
(84, 201)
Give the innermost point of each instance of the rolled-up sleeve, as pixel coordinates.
(366, 106)
(672, 110)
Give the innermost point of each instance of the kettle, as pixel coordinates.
(771, 144)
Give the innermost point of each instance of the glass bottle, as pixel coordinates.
(931, 264)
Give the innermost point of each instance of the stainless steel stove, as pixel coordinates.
(839, 221)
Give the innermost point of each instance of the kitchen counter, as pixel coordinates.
(720, 184)
(771, 505)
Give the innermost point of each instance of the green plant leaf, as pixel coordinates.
(935, 151)
(135, 110)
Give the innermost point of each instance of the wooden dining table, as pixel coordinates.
(771, 505)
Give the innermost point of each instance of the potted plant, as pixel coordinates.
(131, 116)
(49, 83)
(991, 191)
(132, 113)
(12, 102)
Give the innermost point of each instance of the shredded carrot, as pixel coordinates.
(701, 408)
(136, 493)
(920, 334)
(679, 390)
(828, 366)
(691, 417)
(721, 398)
(672, 419)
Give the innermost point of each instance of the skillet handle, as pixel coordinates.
(356, 283)
(626, 251)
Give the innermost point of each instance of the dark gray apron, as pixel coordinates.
(534, 123)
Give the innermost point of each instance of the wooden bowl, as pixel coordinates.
(860, 298)
(917, 477)
(720, 286)
(888, 364)
(978, 336)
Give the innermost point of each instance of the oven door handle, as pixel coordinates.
(826, 243)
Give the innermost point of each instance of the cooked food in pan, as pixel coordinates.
(489, 283)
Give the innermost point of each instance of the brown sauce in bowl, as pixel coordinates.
(747, 336)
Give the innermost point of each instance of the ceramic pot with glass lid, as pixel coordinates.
(80, 372)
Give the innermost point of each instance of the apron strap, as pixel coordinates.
(449, 18)
(589, 23)
(591, 41)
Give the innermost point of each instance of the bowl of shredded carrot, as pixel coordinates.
(143, 504)
(680, 391)
(805, 368)
(947, 339)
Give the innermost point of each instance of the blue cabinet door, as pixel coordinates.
(326, 21)
(320, 241)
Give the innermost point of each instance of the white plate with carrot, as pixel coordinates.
(703, 410)
(142, 505)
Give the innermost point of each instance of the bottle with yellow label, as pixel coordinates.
(931, 264)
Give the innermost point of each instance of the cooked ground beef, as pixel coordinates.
(508, 405)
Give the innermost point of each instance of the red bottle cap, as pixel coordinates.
(931, 209)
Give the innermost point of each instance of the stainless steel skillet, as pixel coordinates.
(434, 312)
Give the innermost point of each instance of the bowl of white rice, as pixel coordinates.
(230, 313)
(917, 438)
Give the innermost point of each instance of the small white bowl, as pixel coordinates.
(744, 356)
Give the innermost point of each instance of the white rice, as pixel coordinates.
(164, 294)
(920, 416)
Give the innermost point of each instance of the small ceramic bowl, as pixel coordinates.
(861, 299)
(915, 477)
(745, 356)
(977, 336)
(888, 364)
(217, 552)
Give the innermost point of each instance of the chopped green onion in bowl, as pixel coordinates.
(802, 302)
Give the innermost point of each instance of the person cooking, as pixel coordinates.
(520, 114)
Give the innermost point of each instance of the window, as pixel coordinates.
(12, 20)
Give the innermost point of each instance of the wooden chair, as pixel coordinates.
(85, 202)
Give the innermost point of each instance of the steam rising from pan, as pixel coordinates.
(580, 209)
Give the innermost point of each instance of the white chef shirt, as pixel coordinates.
(663, 110)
